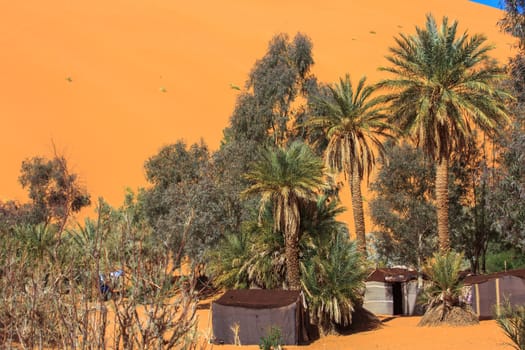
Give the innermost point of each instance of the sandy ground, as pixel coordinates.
(399, 333)
(110, 82)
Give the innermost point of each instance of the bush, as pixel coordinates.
(50, 292)
(273, 339)
(505, 260)
(512, 321)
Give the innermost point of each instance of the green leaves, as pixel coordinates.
(443, 271)
(512, 322)
(284, 175)
(354, 123)
(443, 87)
(333, 280)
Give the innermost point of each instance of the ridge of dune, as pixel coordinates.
(110, 82)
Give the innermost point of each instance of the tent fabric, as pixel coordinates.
(254, 323)
(392, 275)
(379, 298)
(391, 291)
(258, 298)
(256, 311)
(475, 279)
(489, 292)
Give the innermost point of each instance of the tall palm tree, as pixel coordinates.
(443, 88)
(353, 125)
(284, 177)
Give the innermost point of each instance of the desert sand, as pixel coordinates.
(110, 82)
(398, 333)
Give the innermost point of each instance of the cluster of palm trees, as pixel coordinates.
(442, 87)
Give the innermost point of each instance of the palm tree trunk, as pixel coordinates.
(291, 232)
(357, 209)
(442, 205)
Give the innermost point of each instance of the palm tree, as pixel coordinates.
(284, 177)
(353, 125)
(443, 295)
(333, 281)
(443, 88)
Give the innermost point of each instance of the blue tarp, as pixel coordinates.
(492, 3)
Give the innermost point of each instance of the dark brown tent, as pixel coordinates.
(489, 292)
(256, 311)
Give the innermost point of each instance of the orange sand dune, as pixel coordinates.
(110, 82)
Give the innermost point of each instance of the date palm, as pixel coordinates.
(353, 125)
(442, 89)
(443, 294)
(284, 177)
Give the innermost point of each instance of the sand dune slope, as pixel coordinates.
(110, 82)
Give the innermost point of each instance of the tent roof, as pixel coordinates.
(258, 298)
(476, 279)
(395, 274)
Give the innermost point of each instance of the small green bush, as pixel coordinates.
(273, 339)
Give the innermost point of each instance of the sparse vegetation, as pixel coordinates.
(512, 322)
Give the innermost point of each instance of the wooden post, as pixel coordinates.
(477, 299)
(497, 298)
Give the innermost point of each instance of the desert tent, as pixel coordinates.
(489, 292)
(256, 311)
(391, 291)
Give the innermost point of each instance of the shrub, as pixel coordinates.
(273, 339)
(512, 321)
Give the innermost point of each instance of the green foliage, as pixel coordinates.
(37, 242)
(177, 163)
(450, 88)
(51, 290)
(319, 222)
(513, 21)
(333, 280)
(444, 87)
(351, 126)
(506, 200)
(269, 104)
(273, 339)
(276, 81)
(228, 259)
(284, 178)
(512, 322)
(55, 193)
(470, 184)
(255, 257)
(185, 184)
(501, 259)
(507, 204)
(251, 258)
(13, 213)
(353, 123)
(443, 271)
(402, 207)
